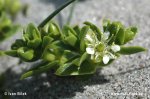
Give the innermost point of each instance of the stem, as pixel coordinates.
(71, 12)
(43, 23)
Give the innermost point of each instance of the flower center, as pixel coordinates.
(100, 47)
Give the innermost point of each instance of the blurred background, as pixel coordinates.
(129, 74)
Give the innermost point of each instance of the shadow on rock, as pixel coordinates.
(48, 86)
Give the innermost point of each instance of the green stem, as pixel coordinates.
(71, 12)
(43, 23)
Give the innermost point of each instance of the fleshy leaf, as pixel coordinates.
(129, 35)
(39, 70)
(46, 41)
(25, 53)
(120, 37)
(32, 36)
(82, 36)
(70, 69)
(131, 50)
(83, 58)
(67, 56)
(53, 29)
(11, 53)
(71, 40)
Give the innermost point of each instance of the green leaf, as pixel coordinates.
(114, 27)
(55, 13)
(131, 50)
(129, 35)
(81, 59)
(48, 56)
(32, 36)
(46, 41)
(95, 29)
(67, 30)
(39, 70)
(83, 33)
(25, 53)
(71, 40)
(77, 30)
(87, 68)
(53, 29)
(62, 68)
(134, 29)
(120, 37)
(11, 53)
(69, 69)
(67, 56)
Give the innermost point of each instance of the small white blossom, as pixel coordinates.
(106, 59)
(90, 50)
(89, 38)
(115, 48)
(99, 50)
(106, 35)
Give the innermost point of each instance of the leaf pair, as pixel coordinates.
(32, 36)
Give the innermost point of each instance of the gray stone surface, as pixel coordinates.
(127, 75)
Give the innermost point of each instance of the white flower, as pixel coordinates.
(90, 50)
(106, 36)
(99, 50)
(106, 59)
(115, 48)
(89, 38)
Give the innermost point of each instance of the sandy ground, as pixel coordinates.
(126, 77)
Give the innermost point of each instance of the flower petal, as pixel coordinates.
(115, 48)
(106, 59)
(106, 36)
(90, 50)
(89, 38)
